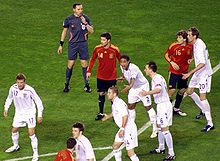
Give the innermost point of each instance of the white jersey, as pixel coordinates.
(201, 55)
(134, 72)
(24, 100)
(119, 110)
(159, 82)
(84, 150)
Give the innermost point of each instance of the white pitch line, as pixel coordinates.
(98, 148)
(141, 130)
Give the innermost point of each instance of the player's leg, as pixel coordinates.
(117, 151)
(205, 85)
(72, 55)
(172, 81)
(34, 143)
(132, 155)
(165, 122)
(14, 137)
(84, 56)
(131, 110)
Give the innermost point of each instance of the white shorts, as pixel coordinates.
(201, 82)
(23, 120)
(164, 114)
(133, 95)
(130, 137)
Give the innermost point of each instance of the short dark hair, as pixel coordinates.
(194, 31)
(70, 143)
(21, 76)
(152, 65)
(182, 33)
(76, 4)
(114, 89)
(79, 125)
(125, 56)
(107, 35)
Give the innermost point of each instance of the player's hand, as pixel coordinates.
(120, 79)
(60, 50)
(88, 75)
(143, 93)
(126, 89)
(121, 133)
(39, 120)
(174, 65)
(83, 20)
(5, 113)
(185, 76)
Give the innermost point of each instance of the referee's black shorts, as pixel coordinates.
(104, 85)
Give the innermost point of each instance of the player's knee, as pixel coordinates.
(189, 91)
(14, 130)
(31, 132)
(130, 152)
(131, 106)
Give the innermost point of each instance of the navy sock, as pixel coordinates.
(101, 104)
(179, 99)
(84, 70)
(68, 74)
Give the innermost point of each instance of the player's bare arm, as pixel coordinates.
(144, 93)
(106, 117)
(128, 87)
(174, 65)
(63, 35)
(122, 129)
(5, 113)
(199, 66)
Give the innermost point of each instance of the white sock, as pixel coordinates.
(207, 110)
(169, 141)
(134, 157)
(15, 137)
(197, 100)
(160, 139)
(132, 113)
(152, 116)
(117, 154)
(34, 144)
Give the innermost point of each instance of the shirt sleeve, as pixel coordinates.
(134, 72)
(92, 61)
(123, 108)
(88, 20)
(38, 102)
(9, 99)
(66, 23)
(200, 54)
(89, 150)
(157, 83)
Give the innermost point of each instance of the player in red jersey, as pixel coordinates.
(67, 154)
(179, 55)
(106, 53)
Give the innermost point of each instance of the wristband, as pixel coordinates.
(61, 43)
(122, 128)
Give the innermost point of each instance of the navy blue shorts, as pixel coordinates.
(104, 85)
(78, 47)
(177, 81)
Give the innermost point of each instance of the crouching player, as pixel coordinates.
(127, 132)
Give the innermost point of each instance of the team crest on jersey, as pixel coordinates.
(111, 56)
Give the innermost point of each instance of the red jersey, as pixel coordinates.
(180, 55)
(64, 155)
(106, 69)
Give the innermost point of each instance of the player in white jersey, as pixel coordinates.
(201, 76)
(137, 83)
(24, 98)
(84, 150)
(127, 132)
(164, 110)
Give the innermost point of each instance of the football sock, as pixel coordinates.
(101, 103)
(134, 157)
(152, 116)
(117, 154)
(160, 139)
(84, 70)
(169, 141)
(207, 110)
(68, 74)
(15, 137)
(34, 144)
(197, 100)
(179, 99)
(132, 114)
